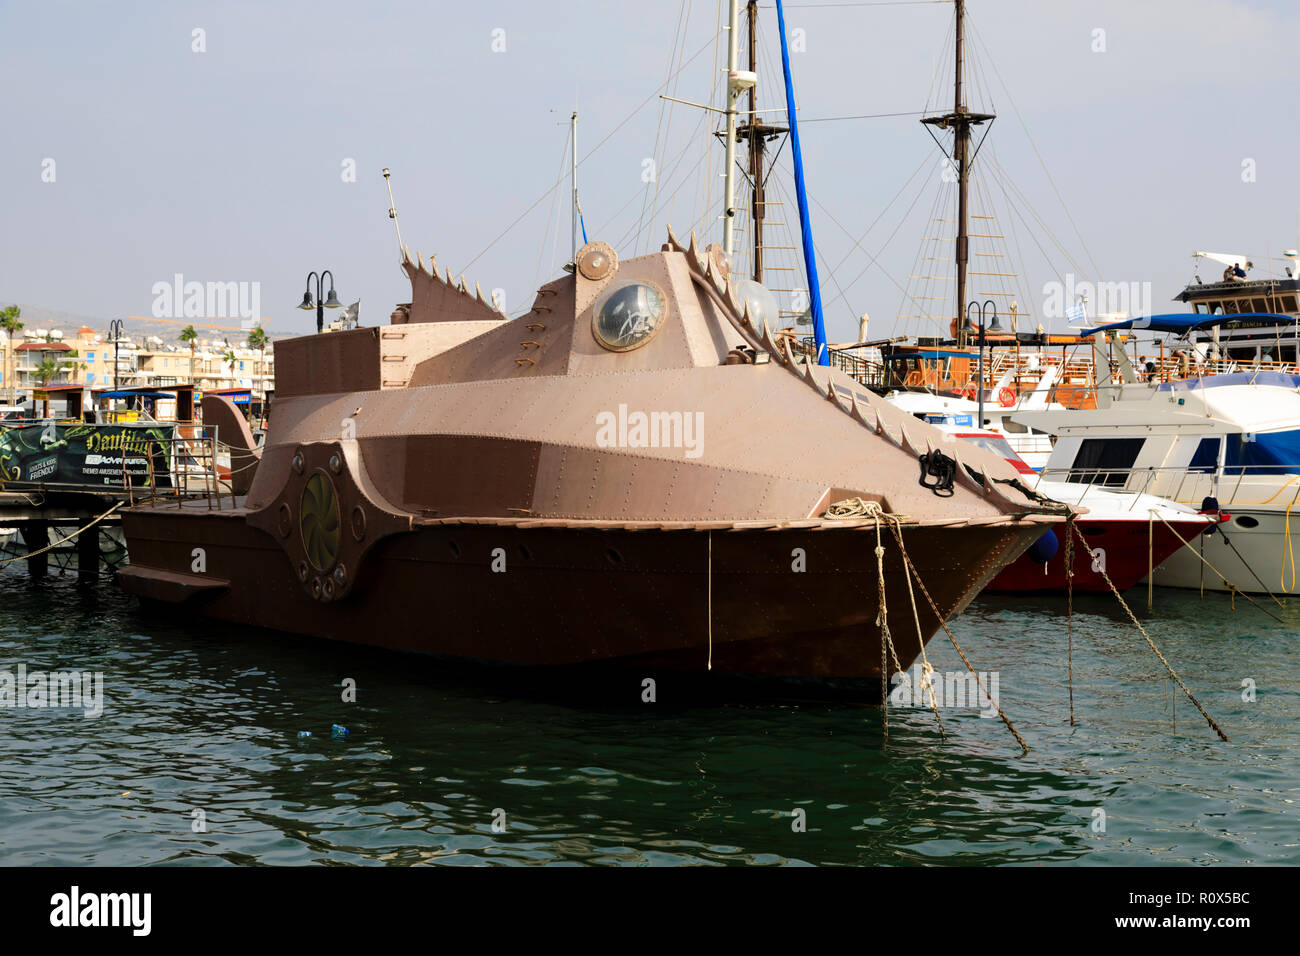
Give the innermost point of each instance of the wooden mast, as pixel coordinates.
(960, 121)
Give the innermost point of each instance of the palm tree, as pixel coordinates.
(9, 322)
(190, 334)
(229, 357)
(257, 340)
(46, 372)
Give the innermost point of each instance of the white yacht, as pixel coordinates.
(1227, 443)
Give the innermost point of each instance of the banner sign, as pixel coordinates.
(97, 455)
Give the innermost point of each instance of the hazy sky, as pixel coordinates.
(228, 164)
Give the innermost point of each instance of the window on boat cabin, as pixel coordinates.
(1263, 453)
(1105, 461)
(1206, 456)
(1014, 428)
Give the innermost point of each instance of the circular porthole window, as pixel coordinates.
(627, 315)
(1246, 521)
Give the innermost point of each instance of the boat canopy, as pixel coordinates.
(1183, 322)
(127, 393)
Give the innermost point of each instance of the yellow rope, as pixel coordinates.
(1287, 552)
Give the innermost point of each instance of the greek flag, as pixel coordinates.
(1076, 314)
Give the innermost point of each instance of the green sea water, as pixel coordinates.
(197, 758)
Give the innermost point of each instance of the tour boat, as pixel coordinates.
(1227, 442)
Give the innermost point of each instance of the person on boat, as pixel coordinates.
(1237, 271)
(1227, 274)
(1152, 374)
(1184, 363)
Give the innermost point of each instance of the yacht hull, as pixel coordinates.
(1255, 559)
(1125, 549)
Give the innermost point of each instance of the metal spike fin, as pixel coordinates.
(730, 294)
(788, 352)
(906, 443)
(723, 279)
(673, 240)
(746, 319)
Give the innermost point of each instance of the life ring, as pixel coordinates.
(1006, 397)
(966, 393)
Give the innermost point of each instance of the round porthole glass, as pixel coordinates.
(628, 315)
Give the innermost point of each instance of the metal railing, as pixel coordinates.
(1187, 485)
(193, 472)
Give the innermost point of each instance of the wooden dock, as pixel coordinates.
(36, 510)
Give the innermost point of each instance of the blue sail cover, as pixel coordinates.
(809, 253)
(1180, 323)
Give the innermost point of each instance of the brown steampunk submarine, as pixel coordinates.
(635, 472)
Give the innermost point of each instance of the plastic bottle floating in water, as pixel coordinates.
(338, 730)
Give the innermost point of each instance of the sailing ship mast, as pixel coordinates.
(960, 121)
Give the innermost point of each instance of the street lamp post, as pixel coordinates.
(115, 330)
(994, 326)
(320, 305)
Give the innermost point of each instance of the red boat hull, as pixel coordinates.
(1125, 548)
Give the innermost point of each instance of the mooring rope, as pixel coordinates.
(882, 621)
(1287, 552)
(1151, 643)
(50, 547)
(927, 670)
(1069, 597)
(859, 508)
(909, 567)
(1232, 588)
